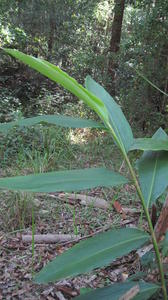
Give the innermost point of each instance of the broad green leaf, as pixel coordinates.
(149, 144)
(117, 120)
(64, 121)
(56, 74)
(113, 292)
(146, 291)
(92, 253)
(74, 180)
(117, 290)
(153, 171)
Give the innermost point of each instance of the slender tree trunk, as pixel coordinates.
(115, 42)
(51, 38)
(52, 27)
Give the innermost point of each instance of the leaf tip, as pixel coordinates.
(88, 77)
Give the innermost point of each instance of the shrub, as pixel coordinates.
(152, 170)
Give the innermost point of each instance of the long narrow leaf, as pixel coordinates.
(153, 170)
(95, 252)
(74, 180)
(151, 83)
(64, 121)
(122, 130)
(57, 75)
(116, 291)
(150, 144)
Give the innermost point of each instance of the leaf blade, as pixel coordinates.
(63, 121)
(54, 73)
(117, 119)
(74, 180)
(94, 252)
(153, 171)
(117, 290)
(147, 144)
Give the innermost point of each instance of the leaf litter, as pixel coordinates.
(17, 265)
(18, 262)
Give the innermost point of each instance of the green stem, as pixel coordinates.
(33, 244)
(139, 192)
(154, 241)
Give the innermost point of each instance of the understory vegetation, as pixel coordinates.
(84, 166)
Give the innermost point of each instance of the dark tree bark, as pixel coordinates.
(115, 42)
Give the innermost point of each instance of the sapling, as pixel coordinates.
(151, 182)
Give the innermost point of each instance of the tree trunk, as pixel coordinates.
(52, 26)
(51, 37)
(115, 42)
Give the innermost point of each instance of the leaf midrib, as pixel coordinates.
(77, 179)
(106, 250)
(152, 182)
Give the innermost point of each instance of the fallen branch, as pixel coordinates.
(86, 200)
(49, 238)
(102, 229)
(94, 202)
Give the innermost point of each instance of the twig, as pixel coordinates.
(49, 238)
(84, 200)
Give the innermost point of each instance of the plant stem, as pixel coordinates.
(33, 244)
(154, 241)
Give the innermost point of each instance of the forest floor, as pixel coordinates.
(60, 215)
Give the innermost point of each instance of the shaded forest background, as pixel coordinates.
(104, 38)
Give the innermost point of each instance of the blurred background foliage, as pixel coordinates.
(107, 39)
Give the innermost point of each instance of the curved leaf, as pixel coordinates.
(153, 171)
(57, 75)
(74, 180)
(117, 290)
(64, 121)
(117, 120)
(95, 252)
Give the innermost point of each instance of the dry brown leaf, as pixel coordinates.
(119, 209)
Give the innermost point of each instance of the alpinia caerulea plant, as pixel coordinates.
(152, 181)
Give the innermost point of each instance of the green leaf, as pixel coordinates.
(123, 133)
(63, 121)
(148, 260)
(149, 144)
(153, 171)
(113, 292)
(146, 291)
(117, 290)
(85, 290)
(92, 253)
(164, 245)
(74, 180)
(56, 74)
